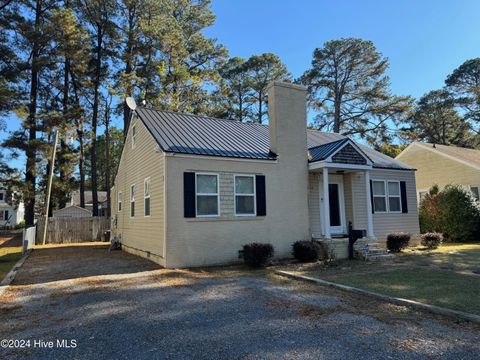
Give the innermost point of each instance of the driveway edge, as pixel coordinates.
(12, 273)
(399, 301)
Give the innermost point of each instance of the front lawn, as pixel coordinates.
(8, 257)
(436, 287)
(448, 276)
(459, 257)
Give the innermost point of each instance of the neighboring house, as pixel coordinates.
(72, 211)
(102, 201)
(442, 165)
(192, 190)
(10, 215)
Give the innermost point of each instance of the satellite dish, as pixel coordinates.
(131, 103)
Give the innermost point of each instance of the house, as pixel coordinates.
(102, 201)
(72, 211)
(442, 165)
(10, 214)
(191, 190)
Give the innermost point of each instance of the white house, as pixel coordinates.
(10, 215)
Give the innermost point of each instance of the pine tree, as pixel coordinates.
(263, 69)
(98, 15)
(350, 92)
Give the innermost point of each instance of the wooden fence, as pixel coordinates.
(72, 230)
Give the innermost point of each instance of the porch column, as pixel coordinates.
(369, 205)
(326, 205)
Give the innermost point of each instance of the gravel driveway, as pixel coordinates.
(118, 306)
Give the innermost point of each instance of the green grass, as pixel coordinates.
(436, 287)
(8, 258)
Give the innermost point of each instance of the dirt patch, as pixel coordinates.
(13, 240)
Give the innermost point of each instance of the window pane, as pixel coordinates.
(475, 192)
(245, 205)
(244, 185)
(207, 184)
(394, 203)
(380, 204)
(378, 188)
(393, 188)
(146, 188)
(132, 209)
(207, 205)
(147, 207)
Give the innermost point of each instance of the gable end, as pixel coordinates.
(349, 155)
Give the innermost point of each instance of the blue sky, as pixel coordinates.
(424, 40)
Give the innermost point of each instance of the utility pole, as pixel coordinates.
(49, 185)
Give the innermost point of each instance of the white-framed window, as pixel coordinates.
(146, 197)
(475, 191)
(394, 199)
(119, 201)
(132, 200)
(244, 195)
(134, 136)
(421, 195)
(2, 217)
(379, 196)
(386, 196)
(207, 195)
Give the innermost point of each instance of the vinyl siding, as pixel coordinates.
(385, 223)
(433, 168)
(356, 203)
(141, 235)
(71, 211)
(314, 205)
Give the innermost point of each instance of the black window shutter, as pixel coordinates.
(189, 194)
(371, 197)
(403, 194)
(261, 198)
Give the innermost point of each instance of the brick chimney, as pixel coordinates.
(287, 112)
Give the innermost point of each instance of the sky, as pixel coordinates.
(424, 40)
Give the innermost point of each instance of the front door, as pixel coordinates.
(336, 204)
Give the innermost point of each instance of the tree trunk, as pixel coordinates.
(81, 168)
(79, 126)
(107, 156)
(128, 68)
(63, 146)
(30, 153)
(260, 107)
(98, 69)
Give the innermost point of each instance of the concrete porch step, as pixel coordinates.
(380, 257)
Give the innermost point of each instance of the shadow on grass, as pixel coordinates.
(8, 258)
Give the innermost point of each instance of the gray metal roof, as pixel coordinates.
(321, 152)
(200, 135)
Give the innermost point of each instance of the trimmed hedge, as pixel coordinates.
(396, 242)
(431, 240)
(257, 255)
(307, 251)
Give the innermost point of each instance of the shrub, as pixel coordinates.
(257, 255)
(397, 241)
(431, 240)
(454, 212)
(307, 251)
